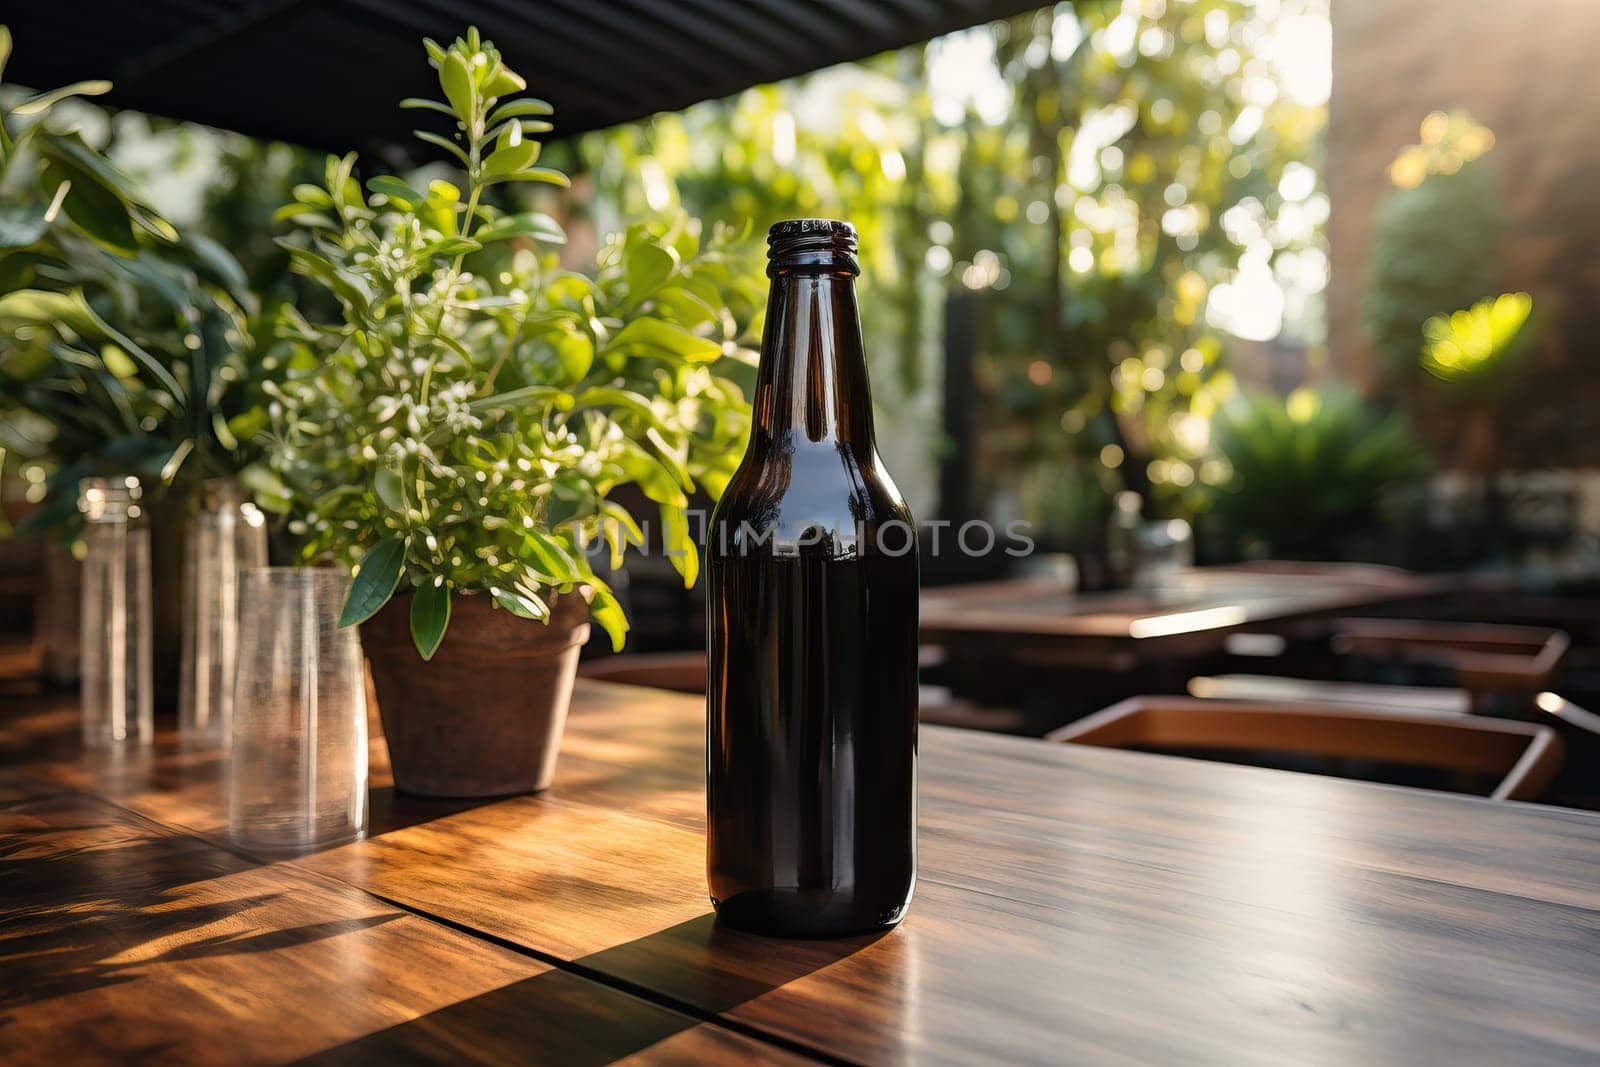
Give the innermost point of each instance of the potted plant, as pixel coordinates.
(125, 346)
(457, 434)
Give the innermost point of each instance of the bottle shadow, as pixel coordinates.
(610, 1004)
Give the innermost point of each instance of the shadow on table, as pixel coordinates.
(564, 1017)
(82, 884)
(389, 810)
(714, 969)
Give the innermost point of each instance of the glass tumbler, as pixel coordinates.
(298, 772)
(116, 634)
(226, 534)
(1165, 553)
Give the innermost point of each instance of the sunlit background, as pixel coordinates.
(1096, 259)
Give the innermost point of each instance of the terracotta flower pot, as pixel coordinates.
(484, 716)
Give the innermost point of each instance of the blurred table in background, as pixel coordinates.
(1039, 621)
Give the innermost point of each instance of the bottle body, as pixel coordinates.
(812, 645)
(116, 642)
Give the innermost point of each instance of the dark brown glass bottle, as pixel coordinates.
(811, 696)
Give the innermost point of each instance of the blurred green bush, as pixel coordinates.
(1312, 477)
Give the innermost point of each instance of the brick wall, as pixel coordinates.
(1530, 71)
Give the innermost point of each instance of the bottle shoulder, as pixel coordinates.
(832, 501)
(826, 480)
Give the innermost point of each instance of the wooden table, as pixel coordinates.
(1075, 905)
(1039, 620)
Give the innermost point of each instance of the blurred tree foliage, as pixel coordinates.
(1436, 238)
(1094, 169)
(124, 344)
(1098, 174)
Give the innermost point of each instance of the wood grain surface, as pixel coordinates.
(1074, 905)
(124, 940)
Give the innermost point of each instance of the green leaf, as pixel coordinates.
(94, 208)
(622, 520)
(653, 478)
(295, 211)
(535, 174)
(449, 146)
(517, 108)
(430, 615)
(524, 127)
(520, 605)
(418, 103)
(307, 193)
(516, 397)
(510, 159)
(391, 493)
(684, 306)
(609, 614)
(443, 197)
(224, 436)
(264, 485)
(451, 246)
(35, 104)
(399, 193)
(575, 352)
(375, 582)
(504, 81)
(435, 50)
(48, 309)
(534, 225)
(174, 460)
(456, 81)
(552, 556)
(612, 396)
(648, 265)
(44, 308)
(247, 424)
(348, 287)
(681, 549)
(74, 154)
(665, 338)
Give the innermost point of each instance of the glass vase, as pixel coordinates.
(225, 534)
(115, 648)
(298, 772)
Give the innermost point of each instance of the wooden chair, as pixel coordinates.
(1484, 658)
(1525, 757)
(1489, 668)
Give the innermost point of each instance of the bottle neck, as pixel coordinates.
(812, 385)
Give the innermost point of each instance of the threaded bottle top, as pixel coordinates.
(822, 245)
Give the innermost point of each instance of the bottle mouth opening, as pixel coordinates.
(820, 244)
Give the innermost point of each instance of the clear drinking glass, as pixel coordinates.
(1165, 553)
(116, 628)
(226, 534)
(298, 773)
